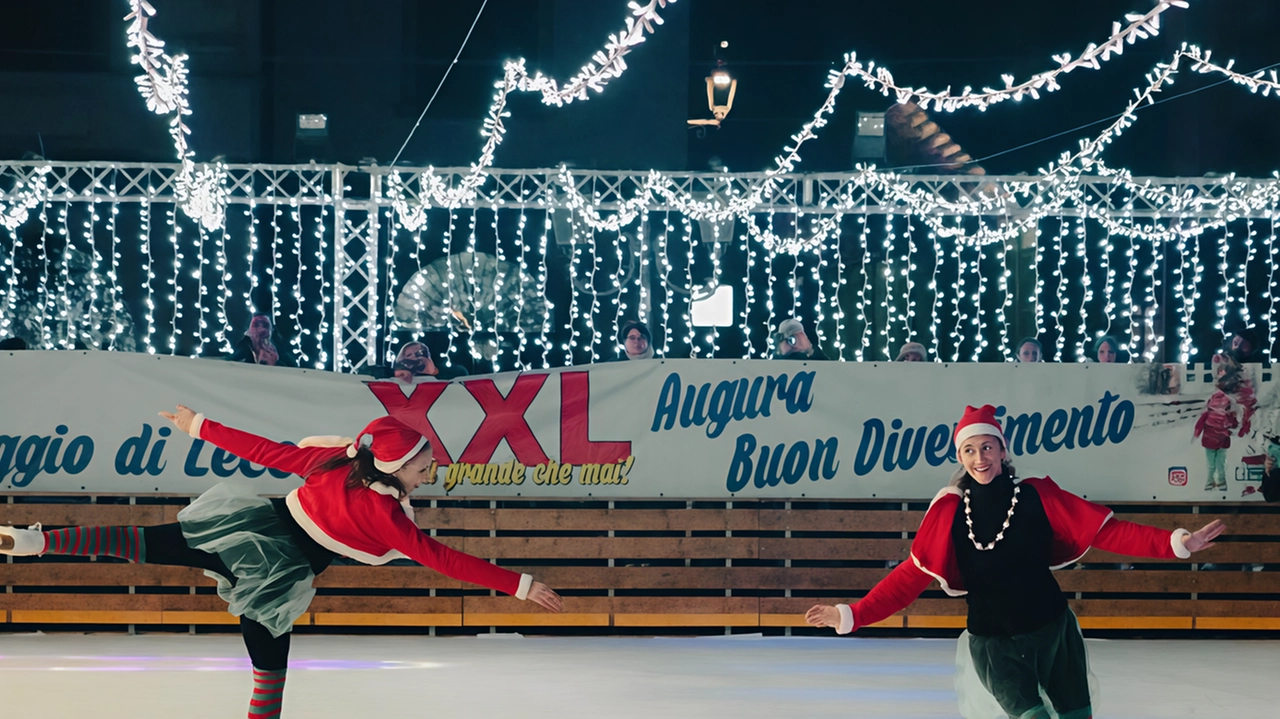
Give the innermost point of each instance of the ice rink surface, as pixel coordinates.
(207, 676)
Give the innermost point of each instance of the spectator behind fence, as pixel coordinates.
(415, 360)
(1242, 346)
(1029, 350)
(261, 345)
(12, 343)
(1106, 349)
(637, 344)
(794, 344)
(912, 352)
(1271, 479)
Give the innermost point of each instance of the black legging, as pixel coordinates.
(165, 544)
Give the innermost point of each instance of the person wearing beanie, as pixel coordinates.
(1242, 346)
(636, 342)
(994, 539)
(1106, 349)
(265, 553)
(1029, 350)
(912, 352)
(794, 344)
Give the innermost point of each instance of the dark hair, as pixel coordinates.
(13, 343)
(363, 472)
(635, 325)
(1106, 339)
(1030, 340)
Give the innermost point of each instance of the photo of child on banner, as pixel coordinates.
(1231, 406)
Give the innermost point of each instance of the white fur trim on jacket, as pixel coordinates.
(846, 619)
(195, 426)
(326, 440)
(526, 583)
(1175, 540)
(976, 429)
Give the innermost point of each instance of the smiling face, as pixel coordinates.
(417, 471)
(982, 456)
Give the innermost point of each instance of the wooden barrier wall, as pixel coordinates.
(650, 564)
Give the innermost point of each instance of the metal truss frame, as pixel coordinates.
(359, 215)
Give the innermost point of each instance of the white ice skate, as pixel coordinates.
(21, 542)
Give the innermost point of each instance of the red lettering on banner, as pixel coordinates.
(412, 410)
(504, 419)
(576, 446)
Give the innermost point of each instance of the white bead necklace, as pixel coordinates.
(968, 519)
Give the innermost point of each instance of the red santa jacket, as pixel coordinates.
(367, 524)
(1078, 524)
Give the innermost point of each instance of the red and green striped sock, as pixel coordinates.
(268, 694)
(123, 542)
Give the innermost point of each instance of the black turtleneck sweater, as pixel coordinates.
(1011, 589)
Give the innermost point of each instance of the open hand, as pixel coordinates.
(545, 597)
(182, 418)
(1203, 537)
(823, 615)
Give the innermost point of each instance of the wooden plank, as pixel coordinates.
(373, 619)
(1223, 553)
(179, 617)
(84, 616)
(686, 620)
(1272, 623)
(1136, 622)
(569, 519)
(935, 621)
(563, 619)
(823, 520)
(100, 574)
(835, 549)
(1237, 524)
(89, 515)
(326, 604)
(383, 577)
(607, 547)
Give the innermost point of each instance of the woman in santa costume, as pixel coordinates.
(994, 539)
(264, 554)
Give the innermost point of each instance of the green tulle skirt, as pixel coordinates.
(273, 577)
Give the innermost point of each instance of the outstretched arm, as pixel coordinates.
(1139, 540)
(260, 450)
(891, 594)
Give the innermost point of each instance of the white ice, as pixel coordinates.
(194, 677)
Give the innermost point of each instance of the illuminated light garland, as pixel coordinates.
(274, 270)
(1273, 286)
(202, 192)
(171, 218)
(1086, 282)
(1221, 306)
(1039, 293)
(837, 310)
(252, 215)
(149, 282)
(772, 322)
(1130, 309)
(819, 261)
(472, 284)
(642, 271)
(864, 304)
(1006, 302)
(498, 282)
(322, 355)
(714, 285)
(935, 295)
(1197, 268)
(891, 314)
(1243, 274)
(87, 309)
(664, 255)
(1153, 283)
(1060, 282)
(982, 312)
(66, 332)
(548, 306)
(117, 292)
(575, 261)
(619, 305)
(521, 335)
(42, 289)
(748, 298)
(296, 317)
(957, 336)
(691, 337)
(908, 274)
(448, 285)
(197, 274)
(9, 295)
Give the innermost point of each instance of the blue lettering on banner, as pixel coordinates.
(28, 457)
(729, 401)
(897, 448)
(779, 464)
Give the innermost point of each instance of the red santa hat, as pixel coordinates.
(977, 421)
(391, 442)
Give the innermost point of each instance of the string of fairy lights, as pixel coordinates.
(957, 255)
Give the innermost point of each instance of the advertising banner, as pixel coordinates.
(87, 422)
